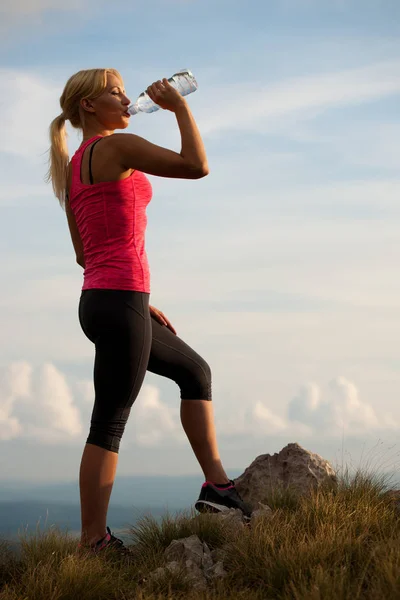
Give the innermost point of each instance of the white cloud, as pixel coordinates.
(37, 404)
(267, 419)
(152, 421)
(86, 390)
(10, 427)
(338, 410)
(311, 414)
(252, 418)
(56, 399)
(15, 382)
(32, 95)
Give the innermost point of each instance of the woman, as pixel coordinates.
(105, 192)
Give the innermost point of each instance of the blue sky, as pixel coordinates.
(280, 267)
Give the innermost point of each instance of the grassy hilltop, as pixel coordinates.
(332, 545)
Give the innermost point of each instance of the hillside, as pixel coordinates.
(334, 544)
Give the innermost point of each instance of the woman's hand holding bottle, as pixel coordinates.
(165, 95)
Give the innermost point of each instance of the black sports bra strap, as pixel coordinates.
(90, 160)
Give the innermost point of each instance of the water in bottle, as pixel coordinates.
(183, 81)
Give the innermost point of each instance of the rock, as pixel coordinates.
(207, 561)
(219, 554)
(231, 518)
(263, 512)
(191, 555)
(217, 571)
(264, 507)
(190, 548)
(292, 467)
(195, 558)
(192, 573)
(173, 567)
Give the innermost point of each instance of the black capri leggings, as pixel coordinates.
(128, 342)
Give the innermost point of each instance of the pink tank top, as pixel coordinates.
(111, 219)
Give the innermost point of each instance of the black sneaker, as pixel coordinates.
(108, 544)
(217, 499)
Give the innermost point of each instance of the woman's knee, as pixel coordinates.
(107, 433)
(102, 443)
(196, 384)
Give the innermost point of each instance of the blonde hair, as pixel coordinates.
(89, 83)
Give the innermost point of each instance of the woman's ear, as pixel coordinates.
(87, 105)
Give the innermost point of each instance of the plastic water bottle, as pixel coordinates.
(183, 81)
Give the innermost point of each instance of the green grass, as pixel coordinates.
(334, 545)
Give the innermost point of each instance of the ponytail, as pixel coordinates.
(59, 158)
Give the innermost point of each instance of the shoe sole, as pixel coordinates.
(205, 506)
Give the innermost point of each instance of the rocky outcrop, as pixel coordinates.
(293, 467)
(193, 560)
(231, 519)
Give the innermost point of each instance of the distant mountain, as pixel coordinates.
(30, 517)
(136, 490)
(21, 520)
(23, 505)
(176, 492)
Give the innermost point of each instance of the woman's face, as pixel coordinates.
(110, 108)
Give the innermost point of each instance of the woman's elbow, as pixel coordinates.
(201, 172)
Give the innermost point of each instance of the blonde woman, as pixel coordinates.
(105, 192)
